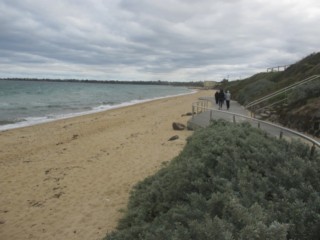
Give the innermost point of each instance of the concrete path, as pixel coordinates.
(202, 119)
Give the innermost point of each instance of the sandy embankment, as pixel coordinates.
(68, 179)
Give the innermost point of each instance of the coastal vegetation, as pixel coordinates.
(261, 84)
(231, 181)
(301, 109)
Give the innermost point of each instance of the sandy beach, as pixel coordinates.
(71, 179)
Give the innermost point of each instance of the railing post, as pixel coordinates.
(192, 110)
(234, 118)
(210, 115)
(259, 125)
(281, 134)
(313, 149)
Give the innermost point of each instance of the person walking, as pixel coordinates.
(221, 98)
(228, 97)
(216, 96)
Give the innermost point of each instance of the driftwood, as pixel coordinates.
(187, 114)
(175, 137)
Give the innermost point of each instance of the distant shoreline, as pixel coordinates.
(158, 82)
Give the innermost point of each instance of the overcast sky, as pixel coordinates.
(169, 40)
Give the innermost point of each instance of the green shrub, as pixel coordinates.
(255, 90)
(262, 84)
(230, 182)
(300, 95)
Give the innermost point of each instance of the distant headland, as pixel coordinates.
(158, 82)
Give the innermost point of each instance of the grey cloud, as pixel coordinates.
(147, 39)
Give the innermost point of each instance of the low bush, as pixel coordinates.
(301, 95)
(262, 84)
(254, 87)
(230, 182)
(255, 90)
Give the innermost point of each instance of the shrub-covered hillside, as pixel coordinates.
(261, 84)
(230, 182)
(301, 111)
(254, 87)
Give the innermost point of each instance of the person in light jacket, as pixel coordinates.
(228, 97)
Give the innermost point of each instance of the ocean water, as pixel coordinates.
(24, 103)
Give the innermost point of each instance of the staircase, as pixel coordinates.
(277, 97)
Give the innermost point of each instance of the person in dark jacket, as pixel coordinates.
(221, 98)
(216, 96)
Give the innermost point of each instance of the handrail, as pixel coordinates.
(281, 91)
(281, 128)
(255, 102)
(275, 103)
